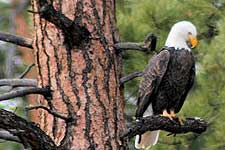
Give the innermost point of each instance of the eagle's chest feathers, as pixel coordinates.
(179, 66)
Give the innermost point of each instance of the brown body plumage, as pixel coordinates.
(167, 79)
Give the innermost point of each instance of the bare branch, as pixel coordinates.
(148, 45)
(54, 113)
(46, 92)
(131, 76)
(130, 46)
(29, 67)
(27, 132)
(5, 135)
(158, 122)
(15, 39)
(18, 82)
(128, 118)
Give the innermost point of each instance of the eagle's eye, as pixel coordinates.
(189, 33)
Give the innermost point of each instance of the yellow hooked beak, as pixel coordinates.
(193, 41)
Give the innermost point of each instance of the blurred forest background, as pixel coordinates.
(135, 19)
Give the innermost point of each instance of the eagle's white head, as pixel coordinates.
(182, 35)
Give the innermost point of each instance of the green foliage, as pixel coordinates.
(207, 98)
(6, 145)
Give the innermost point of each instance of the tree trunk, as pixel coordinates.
(83, 74)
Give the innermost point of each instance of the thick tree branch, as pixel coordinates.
(148, 45)
(54, 113)
(131, 76)
(157, 122)
(15, 39)
(46, 92)
(18, 82)
(130, 46)
(5, 135)
(27, 132)
(48, 12)
(75, 33)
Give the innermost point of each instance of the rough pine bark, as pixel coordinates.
(83, 73)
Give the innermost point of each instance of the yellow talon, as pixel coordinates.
(172, 114)
(166, 114)
(181, 121)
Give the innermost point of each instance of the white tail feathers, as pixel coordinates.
(148, 139)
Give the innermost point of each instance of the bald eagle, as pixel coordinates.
(167, 79)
